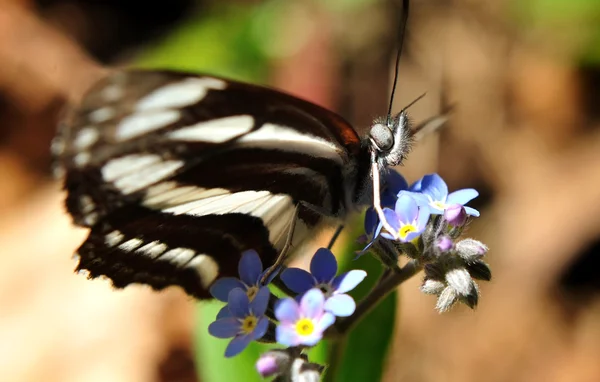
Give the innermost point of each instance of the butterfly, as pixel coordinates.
(176, 174)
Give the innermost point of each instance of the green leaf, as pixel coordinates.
(362, 355)
(218, 42)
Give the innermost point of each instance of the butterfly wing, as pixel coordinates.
(177, 174)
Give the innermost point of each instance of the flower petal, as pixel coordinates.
(287, 311)
(369, 244)
(420, 199)
(224, 313)
(224, 328)
(416, 186)
(238, 303)
(388, 236)
(326, 320)
(395, 183)
(463, 196)
(340, 305)
(392, 218)
(298, 280)
(422, 219)
(406, 207)
(311, 304)
(434, 186)
(371, 221)
(410, 237)
(348, 281)
(261, 328)
(311, 339)
(323, 265)
(472, 211)
(237, 345)
(250, 267)
(259, 304)
(286, 335)
(221, 288)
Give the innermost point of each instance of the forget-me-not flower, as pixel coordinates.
(408, 218)
(432, 190)
(250, 269)
(323, 269)
(302, 323)
(246, 321)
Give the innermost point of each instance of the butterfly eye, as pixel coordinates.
(382, 137)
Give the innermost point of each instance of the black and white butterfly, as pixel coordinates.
(176, 174)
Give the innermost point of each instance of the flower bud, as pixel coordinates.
(456, 215)
(432, 287)
(472, 298)
(471, 250)
(446, 299)
(460, 280)
(267, 365)
(444, 244)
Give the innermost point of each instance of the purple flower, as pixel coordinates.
(302, 323)
(250, 269)
(245, 322)
(408, 218)
(323, 268)
(433, 191)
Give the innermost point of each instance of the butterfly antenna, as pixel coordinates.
(402, 32)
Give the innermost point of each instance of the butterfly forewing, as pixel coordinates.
(177, 174)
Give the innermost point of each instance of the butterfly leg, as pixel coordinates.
(283, 255)
(335, 236)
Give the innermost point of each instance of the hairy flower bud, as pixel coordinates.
(446, 299)
(460, 280)
(267, 365)
(432, 287)
(471, 250)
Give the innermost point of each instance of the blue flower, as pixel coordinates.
(323, 268)
(302, 323)
(433, 191)
(408, 218)
(246, 321)
(250, 269)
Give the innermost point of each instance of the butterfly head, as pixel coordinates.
(391, 139)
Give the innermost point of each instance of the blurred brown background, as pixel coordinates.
(523, 82)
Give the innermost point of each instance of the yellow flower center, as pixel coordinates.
(405, 230)
(249, 323)
(305, 327)
(251, 292)
(440, 205)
